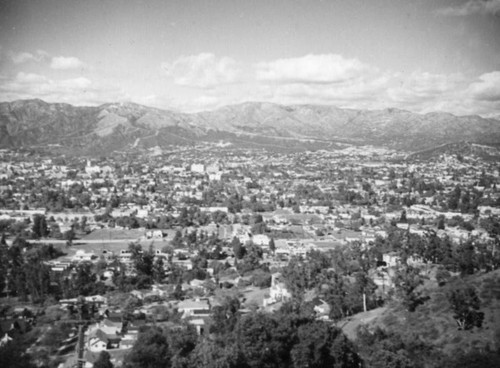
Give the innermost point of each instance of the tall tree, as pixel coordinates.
(272, 245)
(37, 275)
(144, 262)
(466, 305)
(238, 248)
(158, 270)
(40, 228)
(465, 257)
(322, 345)
(151, 350)
(363, 289)
(214, 354)
(103, 361)
(84, 280)
(13, 356)
(4, 263)
(17, 277)
(262, 341)
(407, 280)
(335, 294)
(224, 317)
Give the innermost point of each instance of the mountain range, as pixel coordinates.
(128, 126)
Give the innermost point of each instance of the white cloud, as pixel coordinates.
(488, 87)
(347, 95)
(28, 79)
(206, 101)
(79, 91)
(66, 62)
(484, 7)
(422, 88)
(23, 57)
(39, 85)
(349, 83)
(451, 93)
(313, 79)
(372, 89)
(326, 68)
(202, 71)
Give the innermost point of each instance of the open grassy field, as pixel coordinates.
(114, 246)
(113, 240)
(113, 234)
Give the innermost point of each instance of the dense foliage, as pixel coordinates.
(284, 339)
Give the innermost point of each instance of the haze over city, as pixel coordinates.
(422, 56)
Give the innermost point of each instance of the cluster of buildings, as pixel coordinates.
(286, 203)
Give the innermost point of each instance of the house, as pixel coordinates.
(215, 176)
(213, 209)
(261, 239)
(321, 308)
(81, 256)
(128, 340)
(199, 324)
(97, 341)
(98, 300)
(278, 291)
(391, 259)
(56, 266)
(5, 339)
(89, 169)
(194, 308)
(244, 238)
(111, 327)
(488, 211)
(198, 284)
(154, 234)
(198, 168)
(125, 257)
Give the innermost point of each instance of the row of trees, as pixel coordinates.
(339, 277)
(467, 257)
(284, 339)
(25, 273)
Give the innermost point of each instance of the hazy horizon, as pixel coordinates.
(190, 56)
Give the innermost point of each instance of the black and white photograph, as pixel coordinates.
(249, 183)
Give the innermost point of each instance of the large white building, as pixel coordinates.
(198, 168)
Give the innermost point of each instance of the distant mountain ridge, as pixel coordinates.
(125, 126)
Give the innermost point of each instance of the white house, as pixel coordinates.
(5, 340)
(97, 341)
(194, 308)
(278, 291)
(198, 168)
(110, 328)
(154, 234)
(261, 239)
(81, 256)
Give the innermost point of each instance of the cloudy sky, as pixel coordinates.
(192, 55)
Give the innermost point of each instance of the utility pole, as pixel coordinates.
(80, 362)
(85, 312)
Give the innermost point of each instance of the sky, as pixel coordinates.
(196, 55)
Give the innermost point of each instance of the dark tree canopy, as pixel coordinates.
(103, 361)
(466, 305)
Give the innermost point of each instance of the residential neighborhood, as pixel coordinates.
(172, 238)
